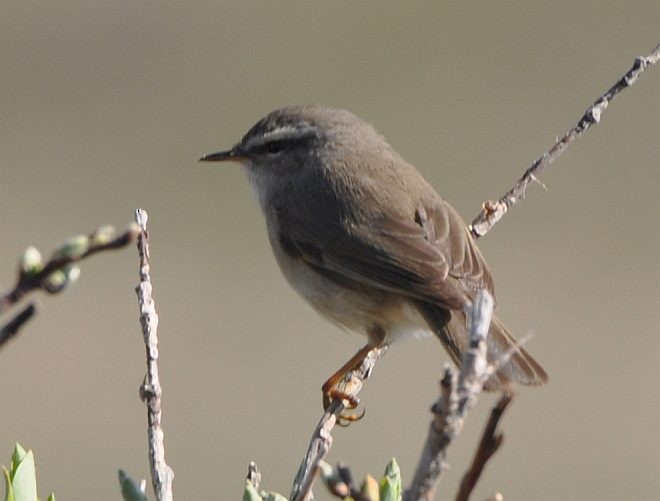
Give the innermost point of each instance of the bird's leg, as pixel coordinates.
(335, 387)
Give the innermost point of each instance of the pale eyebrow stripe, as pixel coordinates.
(286, 132)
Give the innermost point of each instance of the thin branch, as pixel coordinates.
(322, 439)
(492, 211)
(456, 399)
(59, 272)
(151, 391)
(30, 280)
(488, 445)
(10, 329)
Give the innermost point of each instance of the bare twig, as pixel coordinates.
(492, 211)
(151, 391)
(488, 445)
(456, 399)
(432, 462)
(322, 439)
(10, 329)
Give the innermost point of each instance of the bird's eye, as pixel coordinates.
(275, 146)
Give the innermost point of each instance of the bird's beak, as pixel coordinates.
(223, 156)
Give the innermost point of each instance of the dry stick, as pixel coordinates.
(150, 390)
(488, 445)
(322, 439)
(432, 462)
(492, 212)
(455, 401)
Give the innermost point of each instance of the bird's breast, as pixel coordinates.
(350, 305)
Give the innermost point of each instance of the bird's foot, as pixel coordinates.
(341, 387)
(350, 402)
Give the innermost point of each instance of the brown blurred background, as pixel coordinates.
(106, 106)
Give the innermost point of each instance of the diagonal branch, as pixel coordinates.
(59, 272)
(69, 253)
(488, 445)
(492, 211)
(11, 328)
(321, 441)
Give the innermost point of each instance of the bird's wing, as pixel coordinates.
(428, 255)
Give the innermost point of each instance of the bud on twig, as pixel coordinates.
(31, 262)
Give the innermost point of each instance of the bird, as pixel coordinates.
(361, 235)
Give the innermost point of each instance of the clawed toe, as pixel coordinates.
(336, 388)
(351, 402)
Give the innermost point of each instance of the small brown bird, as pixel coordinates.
(360, 234)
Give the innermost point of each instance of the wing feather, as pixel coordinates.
(428, 255)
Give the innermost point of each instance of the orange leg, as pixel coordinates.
(332, 391)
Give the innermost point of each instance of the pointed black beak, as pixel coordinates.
(222, 156)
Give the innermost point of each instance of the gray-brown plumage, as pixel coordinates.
(360, 234)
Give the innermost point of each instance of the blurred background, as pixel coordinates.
(106, 106)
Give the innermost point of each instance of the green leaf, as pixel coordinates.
(393, 471)
(388, 490)
(51, 497)
(16, 457)
(9, 491)
(390, 484)
(24, 478)
(250, 493)
(130, 491)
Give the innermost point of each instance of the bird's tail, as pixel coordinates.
(451, 329)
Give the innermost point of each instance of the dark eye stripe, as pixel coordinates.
(278, 145)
